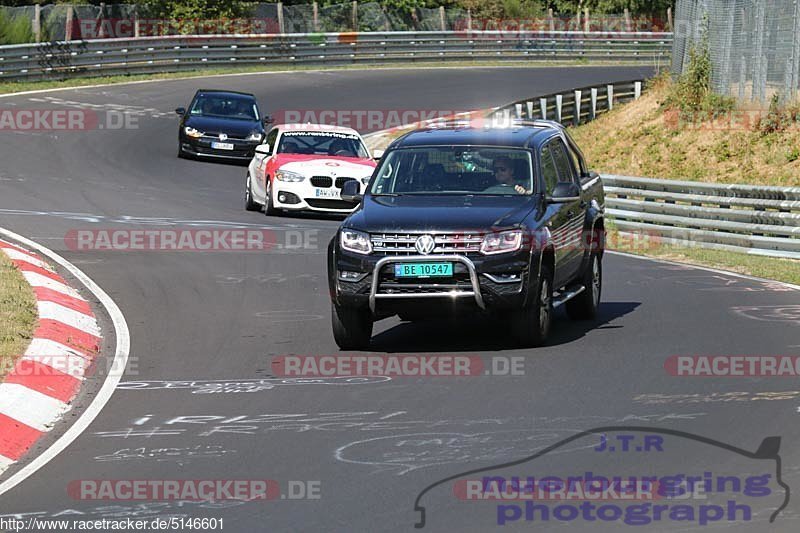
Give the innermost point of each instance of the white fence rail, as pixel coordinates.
(752, 219)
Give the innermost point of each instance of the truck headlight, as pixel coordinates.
(191, 132)
(355, 241)
(287, 175)
(502, 242)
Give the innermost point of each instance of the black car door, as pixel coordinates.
(575, 217)
(556, 215)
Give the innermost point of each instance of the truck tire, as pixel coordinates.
(352, 328)
(584, 306)
(531, 325)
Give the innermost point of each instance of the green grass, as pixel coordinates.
(19, 86)
(17, 314)
(786, 270)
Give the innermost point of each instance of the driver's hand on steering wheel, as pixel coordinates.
(520, 189)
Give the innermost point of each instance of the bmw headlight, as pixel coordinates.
(254, 136)
(502, 242)
(288, 175)
(355, 241)
(191, 132)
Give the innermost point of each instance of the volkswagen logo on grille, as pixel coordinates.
(223, 137)
(425, 244)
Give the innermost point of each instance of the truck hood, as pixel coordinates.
(440, 213)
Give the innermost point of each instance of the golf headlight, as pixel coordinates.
(191, 132)
(502, 242)
(287, 175)
(255, 136)
(355, 241)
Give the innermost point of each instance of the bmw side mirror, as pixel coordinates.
(565, 192)
(180, 111)
(351, 191)
(263, 149)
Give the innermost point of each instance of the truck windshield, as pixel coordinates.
(455, 170)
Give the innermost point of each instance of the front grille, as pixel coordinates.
(215, 137)
(341, 181)
(446, 243)
(330, 204)
(321, 181)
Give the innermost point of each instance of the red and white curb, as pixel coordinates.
(39, 389)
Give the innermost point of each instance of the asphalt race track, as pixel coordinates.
(371, 447)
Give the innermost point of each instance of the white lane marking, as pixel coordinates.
(57, 356)
(102, 397)
(37, 280)
(19, 256)
(30, 407)
(708, 269)
(5, 462)
(70, 317)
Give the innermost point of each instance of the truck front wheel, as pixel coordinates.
(352, 328)
(531, 325)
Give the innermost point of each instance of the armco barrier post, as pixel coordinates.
(68, 24)
(593, 114)
(543, 107)
(559, 99)
(37, 22)
(529, 105)
(610, 92)
(637, 90)
(576, 119)
(518, 110)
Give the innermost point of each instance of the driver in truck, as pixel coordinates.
(504, 173)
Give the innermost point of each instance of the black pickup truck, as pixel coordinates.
(506, 221)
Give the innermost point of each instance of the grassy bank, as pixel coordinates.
(786, 270)
(17, 314)
(645, 138)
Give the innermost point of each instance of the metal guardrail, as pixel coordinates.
(65, 59)
(575, 106)
(752, 219)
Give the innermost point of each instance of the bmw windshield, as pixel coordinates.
(455, 170)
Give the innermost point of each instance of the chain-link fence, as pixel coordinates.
(754, 45)
(79, 21)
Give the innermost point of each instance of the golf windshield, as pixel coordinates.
(224, 107)
(455, 170)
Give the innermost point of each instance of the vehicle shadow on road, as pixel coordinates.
(481, 333)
